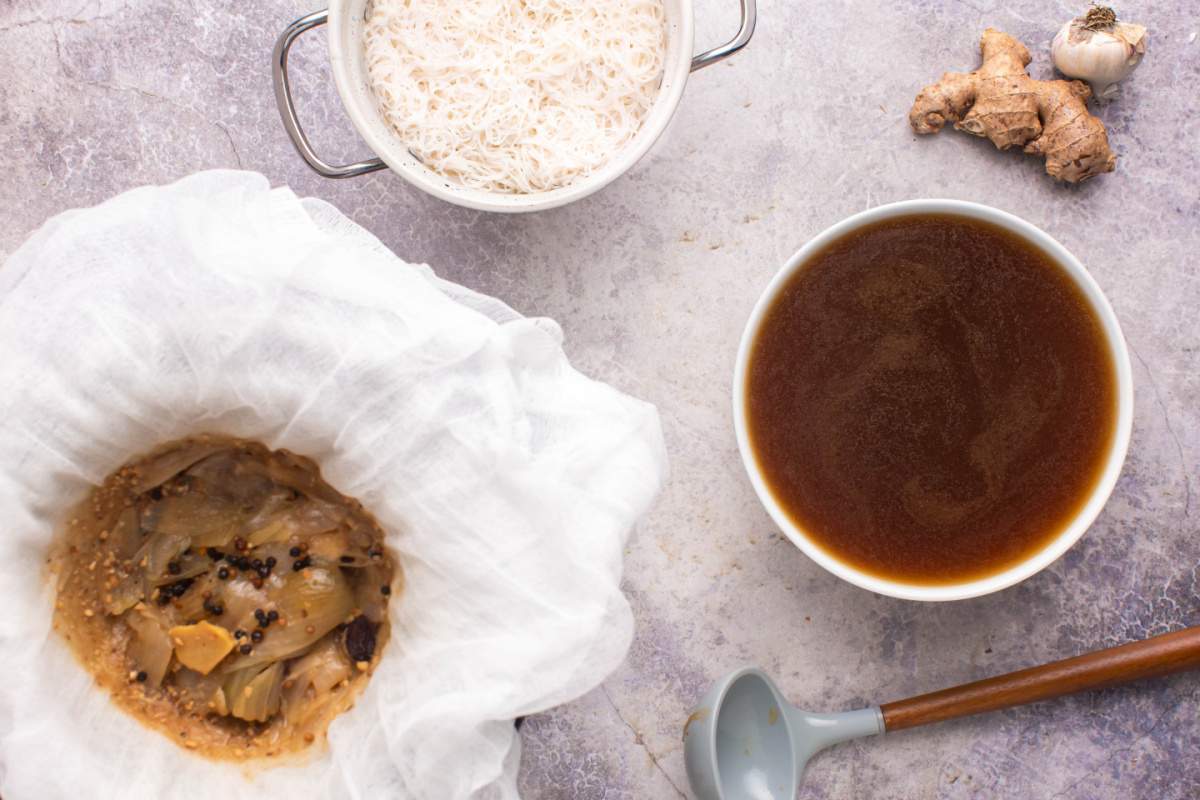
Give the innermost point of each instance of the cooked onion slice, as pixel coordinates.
(254, 694)
(161, 468)
(150, 648)
(311, 679)
(311, 603)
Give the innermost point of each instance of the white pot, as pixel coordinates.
(1113, 461)
(346, 20)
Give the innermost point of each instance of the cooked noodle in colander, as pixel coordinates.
(515, 96)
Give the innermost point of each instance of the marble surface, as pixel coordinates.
(652, 280)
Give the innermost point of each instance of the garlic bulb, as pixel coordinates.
(1099, 49)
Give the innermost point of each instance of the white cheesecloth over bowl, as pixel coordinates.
(506, 481)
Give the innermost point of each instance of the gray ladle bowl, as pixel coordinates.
(745, 742)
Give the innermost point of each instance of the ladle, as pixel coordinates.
(743, 741)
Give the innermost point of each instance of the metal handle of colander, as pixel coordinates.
(710, 57)
(287, 108)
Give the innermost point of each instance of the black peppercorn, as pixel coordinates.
(215, 554)
(259, 614)
(256, 636)
(385, 590)
(271, 562)
(245, 649)
(294, 552)
(223, 573)
(256, 563)
(272, 615)
(142, 676)
(239, 634)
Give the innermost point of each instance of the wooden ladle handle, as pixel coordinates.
(1161, 655)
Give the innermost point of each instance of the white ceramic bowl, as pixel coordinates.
(1116, 454)
(346, 20)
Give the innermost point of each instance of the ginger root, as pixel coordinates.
(201, 646)
(1000, 102)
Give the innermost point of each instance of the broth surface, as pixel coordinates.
(931, 399)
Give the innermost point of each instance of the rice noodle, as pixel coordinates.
(515, 95)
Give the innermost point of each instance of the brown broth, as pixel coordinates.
(931, 399)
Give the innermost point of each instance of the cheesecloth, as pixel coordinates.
(507, 481)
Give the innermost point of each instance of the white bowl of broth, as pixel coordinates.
(933, 399)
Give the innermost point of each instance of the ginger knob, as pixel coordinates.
(1000, 102)
(201, 646)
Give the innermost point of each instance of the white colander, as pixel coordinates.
(346, 19)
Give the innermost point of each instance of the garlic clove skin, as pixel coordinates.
(1101, 57)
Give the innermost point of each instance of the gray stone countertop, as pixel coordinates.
(652, 280)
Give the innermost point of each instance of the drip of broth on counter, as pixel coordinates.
(931, 399)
